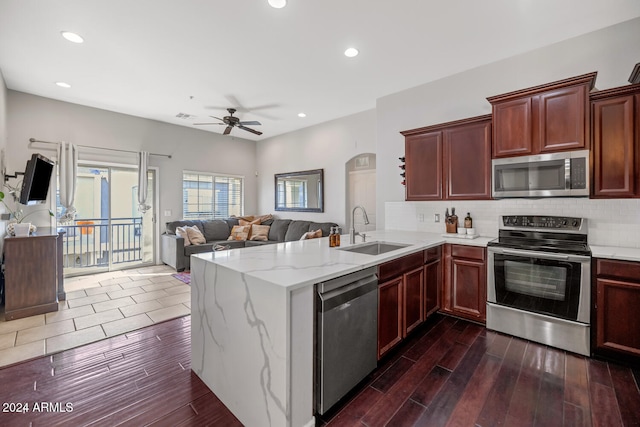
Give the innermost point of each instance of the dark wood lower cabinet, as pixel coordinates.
(389, 315)
(617, 300)
(413, 294)
(465, 283)
(432, 284)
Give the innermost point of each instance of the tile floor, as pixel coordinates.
(97, 306)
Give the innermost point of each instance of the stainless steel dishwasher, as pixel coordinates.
(347, 334)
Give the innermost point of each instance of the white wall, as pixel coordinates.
(325, 146)
(49, 120)
(612, 52)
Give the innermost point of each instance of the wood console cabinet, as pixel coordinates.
(31, 274)
(465, 283)
(450, 161)
(615, 304)
(542, 119)
(616, 142)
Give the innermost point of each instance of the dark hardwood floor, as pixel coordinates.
(450, 372)
(141, 378)
(456, 373)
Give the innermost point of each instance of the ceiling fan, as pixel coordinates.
(232, 122)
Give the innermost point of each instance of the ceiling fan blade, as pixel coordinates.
(217, 118)
(250, 130)
(250, 123)
(208, 123)
(227, 130)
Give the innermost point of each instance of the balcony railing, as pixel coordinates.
(87, 242)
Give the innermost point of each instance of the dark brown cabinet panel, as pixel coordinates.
(423, 166)
(542, 119)
(449, 161)
(413, 300)
(615, 305)
(432, 286)
(389, 315)
(512, 135)
(464, 288)
(467, 152)
(563, 123)
(616, 143)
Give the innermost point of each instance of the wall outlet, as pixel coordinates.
(436, 218)
(167, 212)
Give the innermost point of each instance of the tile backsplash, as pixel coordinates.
(612, 222)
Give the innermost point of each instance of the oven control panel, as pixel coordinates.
(534, 221)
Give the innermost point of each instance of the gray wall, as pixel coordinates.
(50, 120)
(612, 52)
(327, 146)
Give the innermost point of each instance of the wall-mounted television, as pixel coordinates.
(37, 176)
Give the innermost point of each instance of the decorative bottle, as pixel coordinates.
(468, 222)
(332, 237)
(337, 236)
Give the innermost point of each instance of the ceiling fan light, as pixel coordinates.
(302, 115)
(278, 4)
(72, 37)
(63, 84)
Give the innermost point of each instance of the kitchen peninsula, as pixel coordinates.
(252, 332)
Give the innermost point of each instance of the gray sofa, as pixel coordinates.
(175, 254)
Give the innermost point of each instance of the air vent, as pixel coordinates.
(185, 116)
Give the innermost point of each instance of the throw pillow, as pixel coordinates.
(195, 235)
(311, 234)
(240, 232)
(249, 223)
(182, 232)
(259, 232)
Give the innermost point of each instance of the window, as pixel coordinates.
(292, 193)
(211, 196)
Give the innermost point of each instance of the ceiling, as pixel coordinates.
(158, 58)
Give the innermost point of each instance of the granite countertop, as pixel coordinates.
(300, 263)
(615, 252)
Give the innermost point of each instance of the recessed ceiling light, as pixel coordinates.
(302, 115)
(278, 4)
(351, 52)
(64, 85)
(72, 37)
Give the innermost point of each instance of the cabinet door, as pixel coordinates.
(432, 285)
(413, 294)
(423, 166)
(618, 328)
(614, 161)
(468, 289)
(467, 158)
(561, 121)
(512, 128)
(389, 315)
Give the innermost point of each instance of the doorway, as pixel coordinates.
(361, 190)
(109, 232)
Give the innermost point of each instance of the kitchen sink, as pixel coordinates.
(374, 248)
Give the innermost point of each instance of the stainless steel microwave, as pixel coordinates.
(563, 174)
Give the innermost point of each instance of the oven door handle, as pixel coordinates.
(542, 255)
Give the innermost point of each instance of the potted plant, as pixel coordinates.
(18, 216)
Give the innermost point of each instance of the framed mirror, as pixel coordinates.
(300, 191)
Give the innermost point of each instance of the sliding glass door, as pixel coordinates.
(109, 232)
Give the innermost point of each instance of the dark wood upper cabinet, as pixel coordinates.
(450, 161)
(542, 119)
(616, 142)
(423, 166)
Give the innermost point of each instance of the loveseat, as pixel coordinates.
(217, 231)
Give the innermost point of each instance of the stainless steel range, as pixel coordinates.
(539, 281)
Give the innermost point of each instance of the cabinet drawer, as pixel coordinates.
(399, 266)
(432, 254)
(620, 269)
(470, 252)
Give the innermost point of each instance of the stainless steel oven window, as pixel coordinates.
(540, 281)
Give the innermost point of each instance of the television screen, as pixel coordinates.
(37, 175)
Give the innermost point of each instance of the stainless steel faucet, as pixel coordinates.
(352, 230)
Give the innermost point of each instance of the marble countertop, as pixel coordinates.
(614, 252)
(301, 263)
